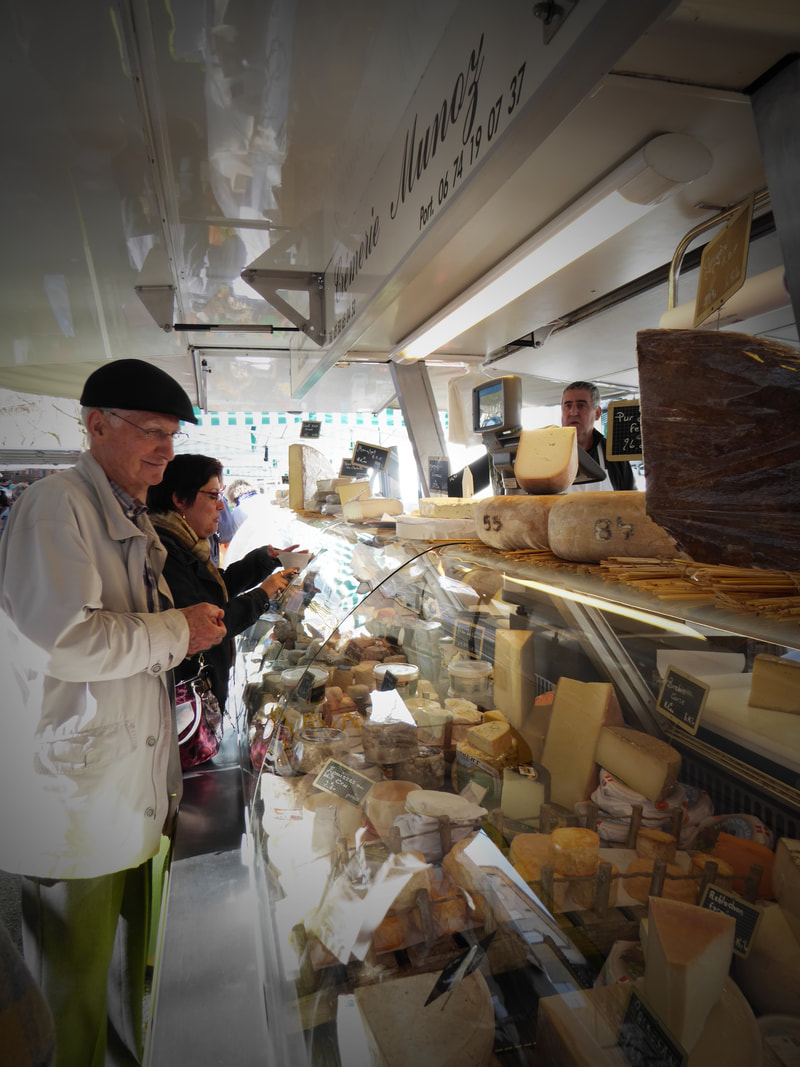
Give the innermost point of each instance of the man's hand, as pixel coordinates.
(206, 627)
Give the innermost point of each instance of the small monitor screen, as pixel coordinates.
(497, 405)
(490, 405)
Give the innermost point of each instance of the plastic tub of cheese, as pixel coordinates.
(469, 679)
(406, 676)
(291, 679)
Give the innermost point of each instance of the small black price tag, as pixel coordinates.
(305, 685)
(389, 680)
(366, 455)
(682, 699)
(348, 469)
(746, 915)
(310, 428)
(342, 781)
(644, 1040)
(624, 430)
(438, 473)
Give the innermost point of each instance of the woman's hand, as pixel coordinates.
(274, 553)
(275, 583)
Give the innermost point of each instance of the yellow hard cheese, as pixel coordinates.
(643, 762)
(547, 459)
(580, 711)
(688, 955)
(775, 684)
(493, 738)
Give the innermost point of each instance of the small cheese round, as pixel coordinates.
(676, 885)
(574, 850)
(656, 845)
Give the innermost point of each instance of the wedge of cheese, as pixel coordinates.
(547, 459)
(493, 738)
(775, 684)
(688, 955)
(307, 466)
(645, 763)
(514, 674)
(580, 711)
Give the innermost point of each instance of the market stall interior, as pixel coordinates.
(427, 786)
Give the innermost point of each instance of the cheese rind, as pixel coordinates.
(643, 762)
(514, 522)
(656, 845)
(580, 710)
(589, 527)
(775, 684)
(446, 507)
(547, 459)
(688, 955)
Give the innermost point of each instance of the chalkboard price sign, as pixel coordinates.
(310, 428)
(349, 469)
(370, 455)
(643, 1039)
(342, 781)
(681, 699)
(624, 430)
(438, 473)
(746, 916)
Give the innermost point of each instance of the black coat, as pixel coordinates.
(191, 582)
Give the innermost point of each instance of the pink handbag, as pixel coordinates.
(199, 719)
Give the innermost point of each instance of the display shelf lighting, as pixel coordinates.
(672, 625)
(622, 197)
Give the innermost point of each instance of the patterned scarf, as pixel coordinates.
(199, 547)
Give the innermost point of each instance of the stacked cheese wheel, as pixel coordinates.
(580, 527)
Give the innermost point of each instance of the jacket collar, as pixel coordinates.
(120, 527)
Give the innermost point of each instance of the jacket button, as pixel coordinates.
(157, 668)
(150, 742)
(149, 813)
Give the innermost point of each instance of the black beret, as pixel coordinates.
(134, 385)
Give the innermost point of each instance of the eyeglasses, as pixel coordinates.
(218, 495)
(177, 438)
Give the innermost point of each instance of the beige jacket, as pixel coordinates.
(89, 768)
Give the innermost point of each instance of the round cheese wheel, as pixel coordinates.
(589, 527)
(574, 850)
(514, 522)
(656, 845)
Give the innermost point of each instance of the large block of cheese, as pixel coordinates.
(775, 684)
(457, 1030)
(769, 976)
(580, 711)
(589, 527)
(547, 459)
(688, 955)
(514, 674)
(722, 477)
(306, 466)
(514, 522)
(643, 762)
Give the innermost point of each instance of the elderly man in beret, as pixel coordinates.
(89, 768)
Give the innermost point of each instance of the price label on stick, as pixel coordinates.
(342, 781)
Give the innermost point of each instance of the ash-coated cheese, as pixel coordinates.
(580, 710)
(645, 763)
(547, 459)
(688, 955)
(513, 523)
(589, 527)
(775, 684)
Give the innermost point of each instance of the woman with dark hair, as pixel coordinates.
(184, 508)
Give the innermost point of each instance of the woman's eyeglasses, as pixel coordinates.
(218, 495)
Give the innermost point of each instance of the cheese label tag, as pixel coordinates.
(644, 1040)
(747, 916)
(342, 781)
(682, 699)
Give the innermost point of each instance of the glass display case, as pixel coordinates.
(469, 774)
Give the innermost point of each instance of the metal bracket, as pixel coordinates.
(160, 302)
(267, 283)
(552, 15)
